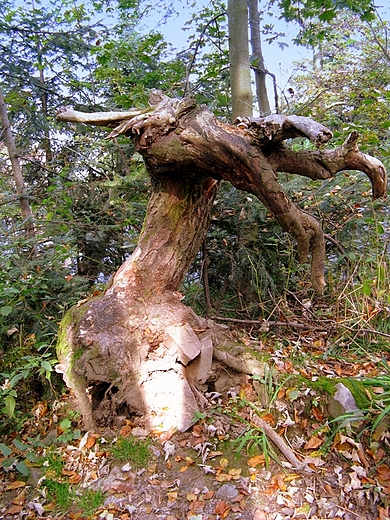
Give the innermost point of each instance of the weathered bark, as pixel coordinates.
(137, 343)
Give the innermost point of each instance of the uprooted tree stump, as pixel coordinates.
(137, 349)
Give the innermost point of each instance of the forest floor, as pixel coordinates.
(224, 466)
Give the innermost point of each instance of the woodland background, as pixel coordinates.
(88, 195)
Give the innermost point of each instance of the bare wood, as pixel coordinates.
(282, 445)
(266, 323)
(67, 114)
(325, 164)
(278, 127)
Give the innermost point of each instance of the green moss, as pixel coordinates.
(328, 385)
(263, 357)
(72, 316)
(359, 392)
(323, 384)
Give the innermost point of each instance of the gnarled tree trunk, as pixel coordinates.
(137, 348)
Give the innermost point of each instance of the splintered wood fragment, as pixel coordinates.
(69, 115)
(278, 127)
(281, 444)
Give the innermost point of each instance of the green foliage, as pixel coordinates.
(316, 17)
(60, 492)
(247, 254)
(19, 457)
(39, 365)
(133, 450)
(207, 59)
(347, 90)
(90, 500)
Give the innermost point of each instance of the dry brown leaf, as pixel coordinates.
(260, 515)
(223, 477)
(165, 436)
(214, 454)
(16, 485)
(197, 506)
(122, 487)
(197, 430)
(255, 461)
(383, 472)
(224, 463)
(125, 431)
(20, 499)
(222, 509)
(269, 418)
(75, 479)
(68, 472)
(317, 413)
(172, 496)
(235, 473)
(14, 510)
(313, 443)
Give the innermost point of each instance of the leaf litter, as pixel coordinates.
(224, 467)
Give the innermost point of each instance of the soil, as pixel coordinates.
(217, 469)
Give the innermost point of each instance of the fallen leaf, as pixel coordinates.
(223, 477)
(235, 473)
(14, 510)
(172, 496)
(125, 431)
(20, 499)
(383, 472)
(222, 509)
(165, 436)
(197, 506)
(260, 515)
(214, 454)
(68, 473)
(197, 430)
(317, 413)
(122, 487)
(269, 418)
(303, 510)
(75, 479)
(313, 443)
(16, 485)
(255, 461)
(224, 462)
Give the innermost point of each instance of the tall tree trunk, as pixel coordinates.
(44, 102)
(240, 76)
(257, 54)
(17, 174)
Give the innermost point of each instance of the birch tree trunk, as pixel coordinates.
(257, 54)
(240, 76)
(27, 215)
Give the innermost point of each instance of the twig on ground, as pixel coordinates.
(281, 444)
